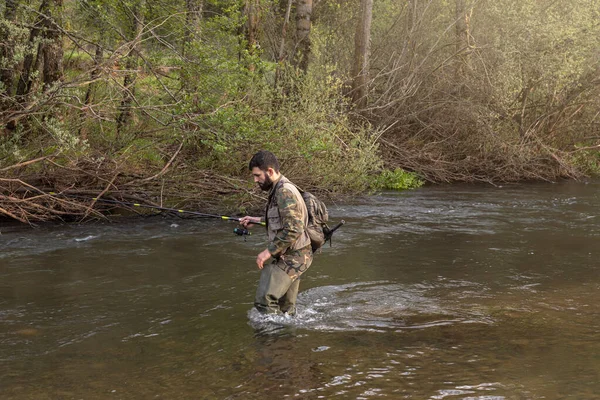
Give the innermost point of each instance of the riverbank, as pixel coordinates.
(61, 188)
(167, 104)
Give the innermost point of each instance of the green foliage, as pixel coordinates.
(397, 179)
(303, 121)
(587, 161)
(77, 60)
(14, 35)
(10, 149)
(62, 137)
(335, 153)
(143, 154)
(529, 81)
(550, 47)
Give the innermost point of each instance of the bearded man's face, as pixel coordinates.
(262, 178)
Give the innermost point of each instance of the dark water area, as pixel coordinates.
(449, 292)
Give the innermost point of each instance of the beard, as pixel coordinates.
(267, 184)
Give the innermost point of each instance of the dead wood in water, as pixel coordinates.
(45, 189)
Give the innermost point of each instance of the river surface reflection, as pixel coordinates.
(455, 292)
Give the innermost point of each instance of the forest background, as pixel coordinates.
(164, 102)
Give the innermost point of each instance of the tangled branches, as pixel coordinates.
(466, 155)
(91, 189)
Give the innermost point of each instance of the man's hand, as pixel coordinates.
(262, 257)
(248, 222)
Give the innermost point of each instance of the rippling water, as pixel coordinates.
(458, 292)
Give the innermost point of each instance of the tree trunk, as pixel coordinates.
(413, 21)
(251, 10)
(53, 47)
(131, 66)
(362, 39)
(192, 20)
(94, 74)
(89, 93)
(32, 58)
(281, 56)
(412, 15)
(463, 35)
(303, 24)
(7, 67)
(286, 21)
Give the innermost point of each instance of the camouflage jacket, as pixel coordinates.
(286, 218)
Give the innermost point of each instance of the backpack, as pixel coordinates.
(317, 220)
(317, 228)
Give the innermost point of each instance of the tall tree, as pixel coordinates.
(252, 13)
(94, 74)
(303, 24)
(136, 23)
(89, 93)
(44, 48)
(192, 19)
(362, 46)
(286, 21)
(463, 35)
(7, 71)
(413, 21)
(53, 44)
(33, 53)
(281, 54)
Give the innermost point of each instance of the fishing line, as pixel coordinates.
(168, 209)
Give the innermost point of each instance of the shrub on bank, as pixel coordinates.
(397, 179)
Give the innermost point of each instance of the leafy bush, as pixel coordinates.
(588, 162)
(397, 179)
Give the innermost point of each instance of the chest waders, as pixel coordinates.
(279, 280)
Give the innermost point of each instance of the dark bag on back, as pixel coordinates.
(317, 220)
(317, 228)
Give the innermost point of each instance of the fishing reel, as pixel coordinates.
(242, 232)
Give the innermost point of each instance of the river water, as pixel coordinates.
(449, 292)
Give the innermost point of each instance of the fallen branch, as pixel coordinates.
(25, 163)
(89, 209)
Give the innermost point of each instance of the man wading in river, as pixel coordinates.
(289, 246)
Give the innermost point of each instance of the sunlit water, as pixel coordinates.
(458, 292)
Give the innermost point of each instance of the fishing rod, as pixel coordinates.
(237, 231)
(328, 232)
